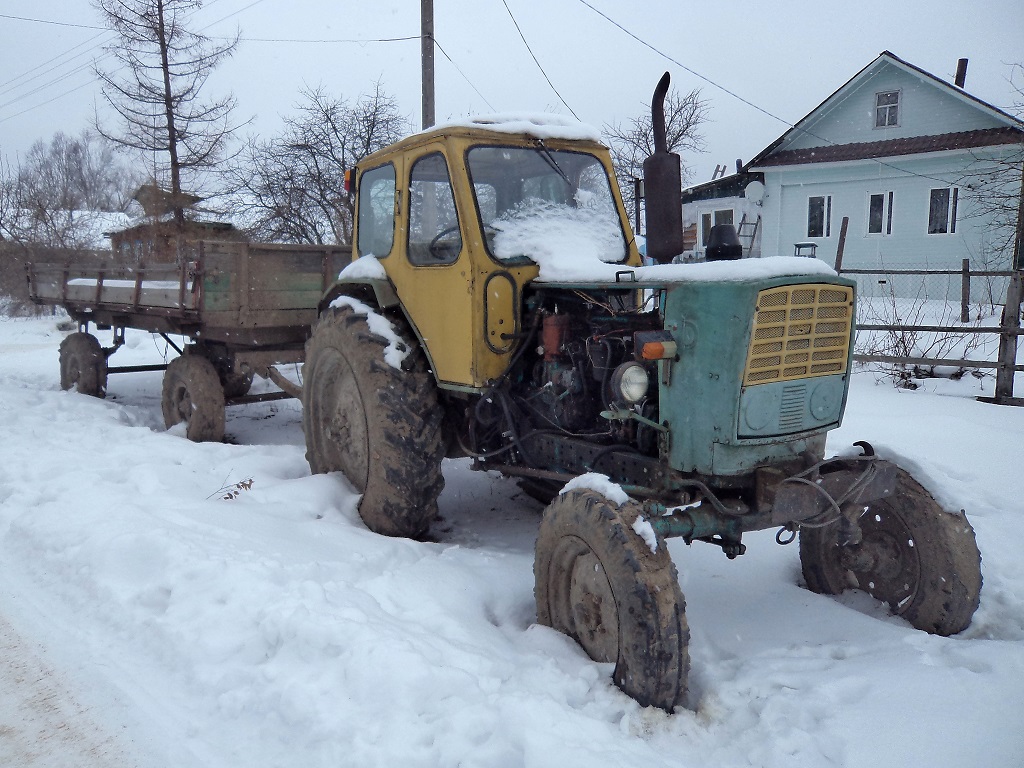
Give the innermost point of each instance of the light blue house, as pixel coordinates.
(898, 152)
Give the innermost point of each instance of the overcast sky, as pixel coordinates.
(783, 57)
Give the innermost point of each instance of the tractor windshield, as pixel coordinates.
(545, 204)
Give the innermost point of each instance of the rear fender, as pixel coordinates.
(377, 291)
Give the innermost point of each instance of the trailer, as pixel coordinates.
(245, 307)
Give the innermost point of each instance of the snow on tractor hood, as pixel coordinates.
(586, 245)
(567, 269)
(584, 267)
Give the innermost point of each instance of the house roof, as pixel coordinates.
(911, 145)
(727, 186)
(1011, 133)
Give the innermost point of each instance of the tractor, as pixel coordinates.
(497, 307)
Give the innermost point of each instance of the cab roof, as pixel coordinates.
(501, 128)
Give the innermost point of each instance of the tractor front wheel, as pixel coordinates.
(598, 582)
(916, 557)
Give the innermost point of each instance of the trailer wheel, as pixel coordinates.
(83, 365)
(915, 556)
(192, 393)
(379, 425)
(598, 582)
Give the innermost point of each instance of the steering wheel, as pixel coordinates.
(439, 250)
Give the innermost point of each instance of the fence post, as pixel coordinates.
(965, 291)
(1008, 342)
(842, 244)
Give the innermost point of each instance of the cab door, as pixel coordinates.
(431, 270)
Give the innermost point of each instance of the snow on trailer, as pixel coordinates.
(245, 307)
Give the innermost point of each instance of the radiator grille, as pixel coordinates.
(799, 332)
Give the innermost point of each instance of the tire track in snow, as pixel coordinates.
(42, 724)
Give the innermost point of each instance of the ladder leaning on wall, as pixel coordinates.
(747, 232)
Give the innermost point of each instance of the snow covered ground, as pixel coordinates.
(147, 621)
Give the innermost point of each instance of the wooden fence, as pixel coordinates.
(1009, 329)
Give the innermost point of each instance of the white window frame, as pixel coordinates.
(898, 107)
(826, 227)
(952, 205)
(888, 197)
(713, 213)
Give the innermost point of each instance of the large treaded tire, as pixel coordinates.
(83, 365)
(915, 556)
(598, 582)
(379, 425)
(192, 393)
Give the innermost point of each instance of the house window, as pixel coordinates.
(880, 213)
(887, 109)
(942, 211)
(819, 216)
(707, 220)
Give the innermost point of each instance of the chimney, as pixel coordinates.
(961, 73)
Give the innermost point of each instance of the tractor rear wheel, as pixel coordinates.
(598, 582)
(83, 364)
(378, 424)
(915, 556)
(192, 393)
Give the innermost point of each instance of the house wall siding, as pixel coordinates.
(924, 111)
(909, 246)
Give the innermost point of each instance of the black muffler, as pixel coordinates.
(663, 187)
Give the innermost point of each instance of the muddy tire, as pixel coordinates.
(915, 556)
(379, 425)
(599, 583)
(83, 365)
(192, 393)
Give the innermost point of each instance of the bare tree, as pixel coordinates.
(291, 188)
(76, 173)
(992, 185)
(50, 198)
(156, 90)
(633, 142)
(8, 202)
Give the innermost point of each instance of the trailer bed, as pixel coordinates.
(245, 307)
(242, 294)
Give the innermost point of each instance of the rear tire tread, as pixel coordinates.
(403, 423)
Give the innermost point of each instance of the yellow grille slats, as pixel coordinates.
(799, 332)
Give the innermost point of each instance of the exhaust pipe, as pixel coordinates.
(663, 187)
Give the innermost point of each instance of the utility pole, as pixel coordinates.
(427, 55)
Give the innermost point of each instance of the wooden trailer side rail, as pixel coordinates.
(249, 293)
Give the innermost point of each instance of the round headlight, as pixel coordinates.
(630, 383)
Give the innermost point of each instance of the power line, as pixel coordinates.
(535, 61)
(24, 76)
(464, 77)
(358, 41)
(48, 21)
(44, 103)
(78, 69)
(746, 101)
(679, 64)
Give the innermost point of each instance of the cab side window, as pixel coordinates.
(377, 211)
(434, 234)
